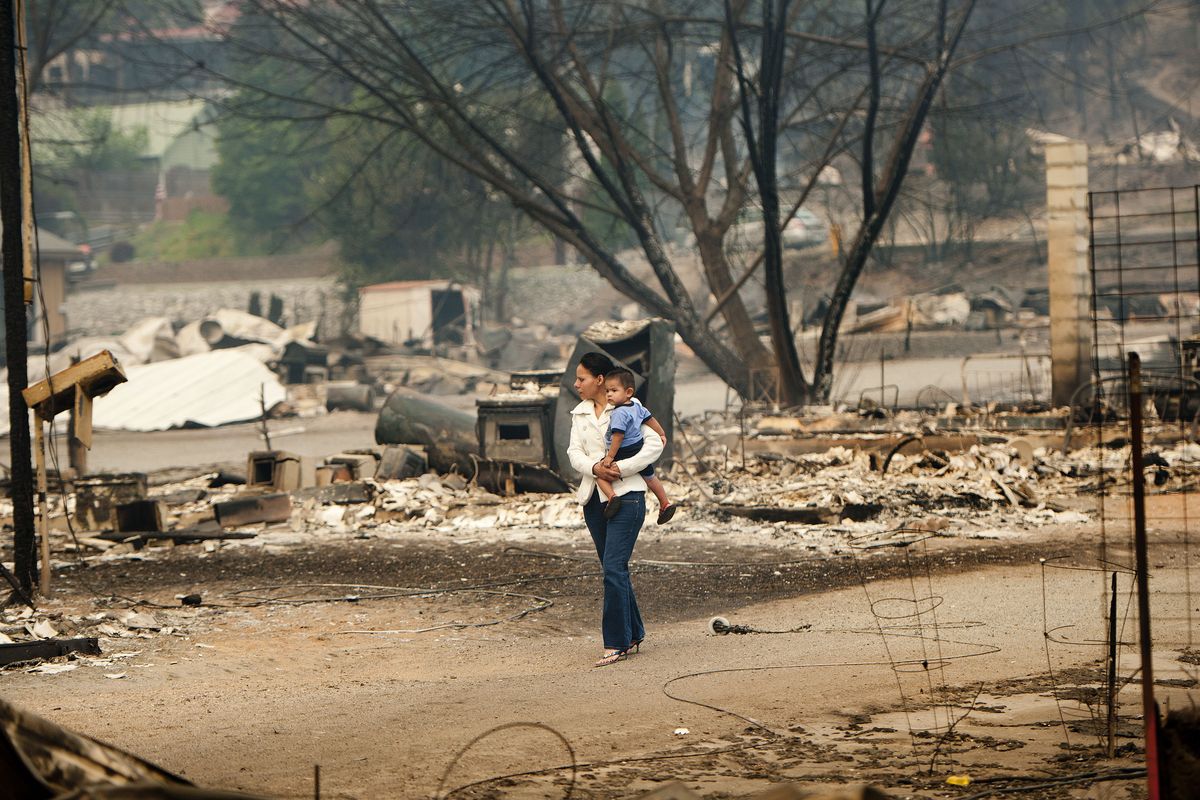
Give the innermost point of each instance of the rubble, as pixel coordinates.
(140, 516)
(97, 496)
(398, 462)
(832, 488)
(819, 500)
(275, 469)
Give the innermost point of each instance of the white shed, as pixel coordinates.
(422, 314)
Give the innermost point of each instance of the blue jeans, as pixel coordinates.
(614, 539)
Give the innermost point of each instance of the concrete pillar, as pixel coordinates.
(1070, 282)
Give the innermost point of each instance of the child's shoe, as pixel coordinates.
(612, 507)
(665, 514)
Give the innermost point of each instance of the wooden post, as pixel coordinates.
(79, 430)
(39, 453)
(76, 449)
(71, 388)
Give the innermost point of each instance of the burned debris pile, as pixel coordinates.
(884, 480)
(774, 468)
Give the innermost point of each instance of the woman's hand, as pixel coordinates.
(609, 473)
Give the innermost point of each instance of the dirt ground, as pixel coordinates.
(911, 664)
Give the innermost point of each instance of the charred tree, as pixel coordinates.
(760, 126)
(12, 252)
(879, 196)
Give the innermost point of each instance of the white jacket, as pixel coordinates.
(587, 447)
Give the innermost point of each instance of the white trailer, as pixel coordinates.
(420, 314)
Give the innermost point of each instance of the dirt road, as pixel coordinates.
(250, 694)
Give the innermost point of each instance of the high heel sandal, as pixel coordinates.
(611, 657)
(635, 646)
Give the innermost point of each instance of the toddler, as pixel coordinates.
(624, 439)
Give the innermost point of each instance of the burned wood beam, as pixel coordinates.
(343, 493)
(47, 648)
(96, 376)
(181, 536)
(248, 510)
(806, 516)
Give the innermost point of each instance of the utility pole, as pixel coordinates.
(13, 258)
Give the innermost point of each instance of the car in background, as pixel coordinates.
(805, 229)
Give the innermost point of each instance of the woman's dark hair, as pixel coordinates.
(596, 363)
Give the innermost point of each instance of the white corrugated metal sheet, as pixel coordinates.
(207, 389)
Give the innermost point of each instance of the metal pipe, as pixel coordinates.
(43, 504)
(966, 399)
(1111, 748)
(447, 433)
(1149, 707)
(882, 380)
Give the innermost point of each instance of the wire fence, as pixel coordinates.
(1139, 443)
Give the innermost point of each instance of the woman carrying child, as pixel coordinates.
(614, 537)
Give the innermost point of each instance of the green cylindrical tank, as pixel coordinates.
(447, 434)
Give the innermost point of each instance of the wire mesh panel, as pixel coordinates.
(1145, 262)
(1145, 266)
(1138, 445)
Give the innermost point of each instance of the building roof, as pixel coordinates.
(54, 246)
(396, 286)
(51, 245)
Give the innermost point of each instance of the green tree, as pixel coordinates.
(93, 142)
(84, 142)
(395, 211)
(296, 172)
(270, 151)
(264, 170)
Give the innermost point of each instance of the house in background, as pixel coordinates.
(171, 178)
(142, 80)
(184, 166)
(54, 254)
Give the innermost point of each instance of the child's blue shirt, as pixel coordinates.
(627, 418)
